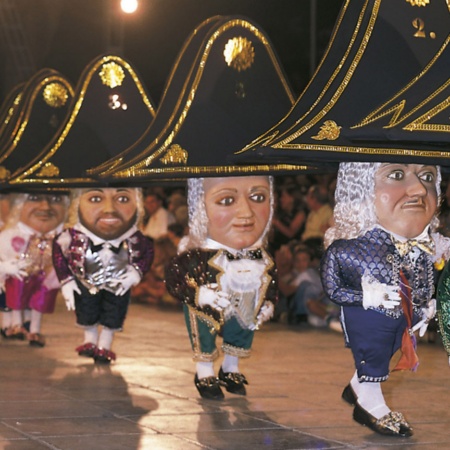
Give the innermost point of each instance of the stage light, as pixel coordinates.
(129, 6)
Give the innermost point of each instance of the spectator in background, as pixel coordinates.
(159, 218)
(289, 218)
(320, 213)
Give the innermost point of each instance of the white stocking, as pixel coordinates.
(205, 369)
(6, 319)
(90, 335)
(106, 338)
(17, 317)
(230, 364)
(370, 397)
(35, 322)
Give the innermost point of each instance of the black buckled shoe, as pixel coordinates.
(392, 424)
(209, 387)
(36, 340)
(233, 382)
(349, 395)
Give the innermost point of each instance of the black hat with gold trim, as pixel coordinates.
(44, 103)
(109, 112)
(224, 89)
(9, 112)
(378, 51)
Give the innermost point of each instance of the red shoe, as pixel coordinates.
(104, 356)
(87, 350)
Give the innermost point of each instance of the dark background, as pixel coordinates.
(67, 34)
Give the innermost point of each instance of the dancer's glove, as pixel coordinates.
(428, 313)
(210, 296)
(376, 294)
(126, 281)
(13, 268)
(68, 292)
(265, 313)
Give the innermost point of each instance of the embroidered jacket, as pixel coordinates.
(74, 256)
(194, 268)
(374, 255)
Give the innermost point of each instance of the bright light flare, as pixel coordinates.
(129, 6)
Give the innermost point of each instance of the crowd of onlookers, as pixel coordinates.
(303, 211)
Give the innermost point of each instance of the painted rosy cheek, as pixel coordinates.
(18, 243)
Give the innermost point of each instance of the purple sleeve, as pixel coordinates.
(60, 263)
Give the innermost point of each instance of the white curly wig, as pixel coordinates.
(354, 210)
(198, 219)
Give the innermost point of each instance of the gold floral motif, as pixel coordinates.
(419, 2)
(175, 155)
(239, 53)
(4, 173)
(112, 75)
(329, 130)
(55, 95)
(48, 170)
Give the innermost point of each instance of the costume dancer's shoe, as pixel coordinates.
(209, 387)
(349, 395)
(233, 382)
(87, 350)
(104, 356)
(392, 424)
(36, 340)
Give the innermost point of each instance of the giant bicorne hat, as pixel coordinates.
(225, 88)
(380, 92)
(109, 112)
(9, 111)
(43, 106)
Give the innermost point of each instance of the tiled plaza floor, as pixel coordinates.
(50, 398)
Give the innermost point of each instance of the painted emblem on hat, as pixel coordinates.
(55, 95)
(48, 170)
(4, 173)
(175, 155)
(112, 75)
(239, 53)
(419, 2)
(329, 130)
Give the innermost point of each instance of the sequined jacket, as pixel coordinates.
(194, 268)
(374, 254)
(443, 307)
(71, 246)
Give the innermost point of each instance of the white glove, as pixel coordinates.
(210, 296)
(377, 294)
(126, 281)
(68, 292)
(265, 313)
(13, 268)
(428, 313)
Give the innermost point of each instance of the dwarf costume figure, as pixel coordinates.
(26, 267)
(223, 275)
(379, 267)
(98, 259)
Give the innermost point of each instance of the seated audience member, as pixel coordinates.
(152, 288)
(301, 284)
(319, 215)
(158, 218)
(289, 218)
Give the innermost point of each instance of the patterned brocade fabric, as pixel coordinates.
(192, 269)
(443, 307)
(374, 255)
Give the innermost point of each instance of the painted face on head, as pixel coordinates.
(108, 212)
(43, 212)
(405, 197)
(238, 209)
